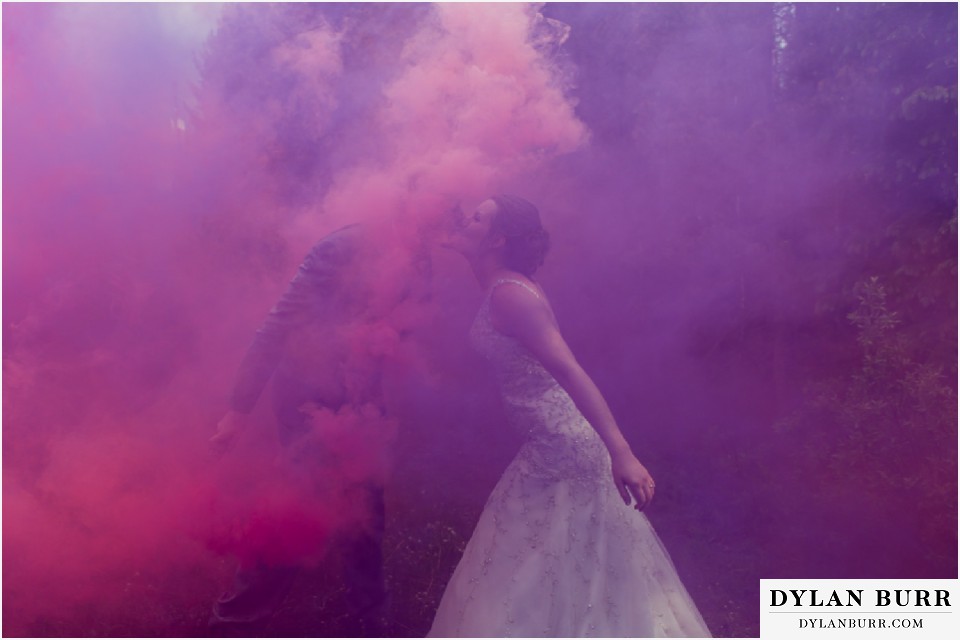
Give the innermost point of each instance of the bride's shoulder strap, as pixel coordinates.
(515, 281)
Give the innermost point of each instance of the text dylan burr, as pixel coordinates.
(854, 598)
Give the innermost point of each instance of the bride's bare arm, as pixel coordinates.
(516, 312)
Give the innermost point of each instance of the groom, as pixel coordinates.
(355, 275)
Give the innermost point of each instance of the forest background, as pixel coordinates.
(755, 252)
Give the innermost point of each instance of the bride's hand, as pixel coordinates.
(632, 480)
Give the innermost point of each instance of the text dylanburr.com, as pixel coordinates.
(859, 609)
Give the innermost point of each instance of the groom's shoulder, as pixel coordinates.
(339, 246)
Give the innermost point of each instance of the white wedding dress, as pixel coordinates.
(556, 552)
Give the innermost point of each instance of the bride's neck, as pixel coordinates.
(487, 270)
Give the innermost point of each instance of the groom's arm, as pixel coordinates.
(308, 296)
(313, 287)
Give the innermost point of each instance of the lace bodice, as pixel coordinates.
(519, 373)
(560, 441)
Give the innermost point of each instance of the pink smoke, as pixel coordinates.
(147, 234)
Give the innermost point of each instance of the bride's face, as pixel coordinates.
(472, 233)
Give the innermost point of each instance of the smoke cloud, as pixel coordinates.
(166, 171)
(720, 186)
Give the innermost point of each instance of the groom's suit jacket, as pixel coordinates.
(308, 342)
(297, 344)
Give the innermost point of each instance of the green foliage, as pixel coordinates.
(881, 80)
(890, 422)
(891, 389)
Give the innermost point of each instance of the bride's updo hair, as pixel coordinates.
(527, 242)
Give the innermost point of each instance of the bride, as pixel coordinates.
(558, 550)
